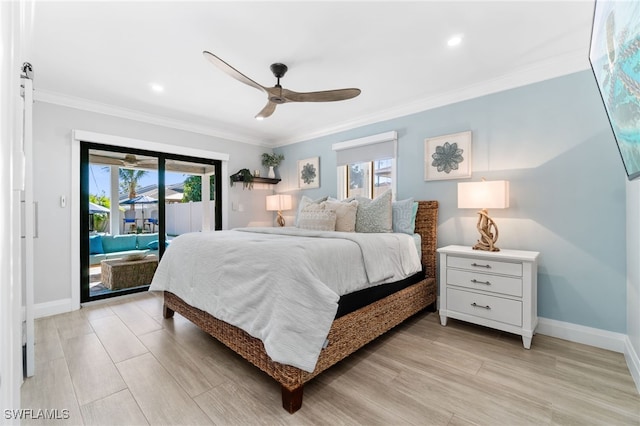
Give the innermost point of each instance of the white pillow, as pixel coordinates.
(317, 220)
(304, 202)
(345, 214)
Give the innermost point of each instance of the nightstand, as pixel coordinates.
(494, 289)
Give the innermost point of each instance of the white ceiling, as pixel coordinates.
(103, 56)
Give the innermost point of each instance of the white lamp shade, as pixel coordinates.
(279, 202)
(483, 195)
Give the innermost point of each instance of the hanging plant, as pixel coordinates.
(244, 176)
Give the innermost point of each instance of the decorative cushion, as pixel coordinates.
(345, 214)
(153, 245)
(119, 243)
(304, 202)
(317, 220)
(95, 244)
(144, 239)
(404, 219)
(375, 215)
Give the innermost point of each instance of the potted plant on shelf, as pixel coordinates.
(271, 161)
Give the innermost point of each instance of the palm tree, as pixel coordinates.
(129, 181)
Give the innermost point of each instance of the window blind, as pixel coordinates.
(377, 147)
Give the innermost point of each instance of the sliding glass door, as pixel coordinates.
(134, 203)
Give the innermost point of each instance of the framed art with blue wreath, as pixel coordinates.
(448, 156)
(309, 173)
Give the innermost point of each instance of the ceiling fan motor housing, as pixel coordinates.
(279, 70)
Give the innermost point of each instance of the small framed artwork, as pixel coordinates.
(309, 173)
(448, 156)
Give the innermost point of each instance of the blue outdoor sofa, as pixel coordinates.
(103, 247)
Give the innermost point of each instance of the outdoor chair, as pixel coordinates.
(130, 221)
(152, 221)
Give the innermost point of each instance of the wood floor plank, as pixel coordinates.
(92, 312)
(230, 403)
(160, 397)
(72, 324)
(138, 321)
(177, 362)
(117, 409)
(51, 388)
(117, 339)
(93, 373)
(46, 340)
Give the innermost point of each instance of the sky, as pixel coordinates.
(99, 179)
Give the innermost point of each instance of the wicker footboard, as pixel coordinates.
(348, 334)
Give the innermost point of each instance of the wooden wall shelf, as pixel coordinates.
(259, 180)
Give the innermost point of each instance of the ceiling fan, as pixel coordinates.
(129, 160)
(277, 95)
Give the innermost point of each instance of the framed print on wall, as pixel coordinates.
(309, 173)
(448, 156)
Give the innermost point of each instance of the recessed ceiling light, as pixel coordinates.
(157, 88)
(454, 41)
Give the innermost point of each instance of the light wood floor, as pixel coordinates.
(121, 363)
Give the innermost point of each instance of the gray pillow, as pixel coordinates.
(375, 215)
(304, 202)
(317, 220)
(404, 220)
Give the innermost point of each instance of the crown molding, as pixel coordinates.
(116, 111)
(556, 67)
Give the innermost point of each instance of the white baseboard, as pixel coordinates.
(580, 334)
(633, 362)
(54, 307)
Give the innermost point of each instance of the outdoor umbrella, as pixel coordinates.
(95, 208)
(140, 199)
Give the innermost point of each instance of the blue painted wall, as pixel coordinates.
(552, 141)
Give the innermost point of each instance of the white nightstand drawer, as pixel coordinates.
(485, 282)
(481, 305)
(485, 265)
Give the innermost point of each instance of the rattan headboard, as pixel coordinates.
(427, 227)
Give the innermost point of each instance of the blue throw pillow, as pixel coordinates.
(95, 244)
(404, 216)
(153, 245)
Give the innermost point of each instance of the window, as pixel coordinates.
(366, 166)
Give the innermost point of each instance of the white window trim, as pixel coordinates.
(367, 140)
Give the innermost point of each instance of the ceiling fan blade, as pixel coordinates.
(267, 110)
(231, 71)
(324, 96)
(102, 159)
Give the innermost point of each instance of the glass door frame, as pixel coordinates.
(85, 147)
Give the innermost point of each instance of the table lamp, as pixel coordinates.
(278, 203)
(484, 195)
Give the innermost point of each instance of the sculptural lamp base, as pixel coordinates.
(280, 219)
(488, 232)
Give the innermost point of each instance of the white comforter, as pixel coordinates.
(281, 285)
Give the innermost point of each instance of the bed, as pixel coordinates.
(347, 333)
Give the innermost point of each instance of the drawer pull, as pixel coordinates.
(481, 266)
(475, 305)
(480, 282)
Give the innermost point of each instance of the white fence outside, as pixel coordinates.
(187, 217)
(180, 217)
